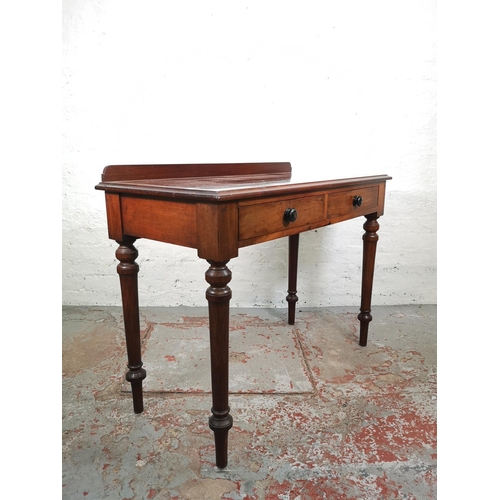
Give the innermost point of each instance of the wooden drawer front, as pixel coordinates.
(340, 204)
(268, 218)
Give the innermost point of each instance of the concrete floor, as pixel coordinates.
(315, 415)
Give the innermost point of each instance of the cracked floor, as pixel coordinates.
(315, 415)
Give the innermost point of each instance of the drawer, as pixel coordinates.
(269, 217)
(341, 204)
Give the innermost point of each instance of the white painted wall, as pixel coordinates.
(344, 87)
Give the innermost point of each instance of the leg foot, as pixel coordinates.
(135, 376)
(220, 423)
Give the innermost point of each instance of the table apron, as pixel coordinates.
(265, 219)
(219, 229)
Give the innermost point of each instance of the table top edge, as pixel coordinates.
(214, 193)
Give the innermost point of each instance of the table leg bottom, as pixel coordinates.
(135, 376)
(221, 427)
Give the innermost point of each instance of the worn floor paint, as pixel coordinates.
(266, 355)
(315, 415)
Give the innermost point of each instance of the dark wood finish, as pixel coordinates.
(128, 270)
(221, 182)
(217, 209)
(114, 214)
(293, 258)
(181, 170)
(161, 220)
(217, 231)
(340, 204)
(269, 217)
(370, 239)
(262, 219)
(218, 295)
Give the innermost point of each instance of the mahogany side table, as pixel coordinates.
(217, 209)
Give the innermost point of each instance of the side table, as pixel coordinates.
(217, 209)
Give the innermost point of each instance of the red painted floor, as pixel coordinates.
(315, 415)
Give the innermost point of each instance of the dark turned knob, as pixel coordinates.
(357, 200)
(290, 215)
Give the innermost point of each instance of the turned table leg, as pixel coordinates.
(293, 257)
(218, 295)
(128, 270)
(370, 239)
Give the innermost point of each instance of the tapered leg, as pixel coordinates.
(128, 270)
(293, 257)
(370, 239)
(218, 295)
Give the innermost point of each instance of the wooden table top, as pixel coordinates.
(221, 181)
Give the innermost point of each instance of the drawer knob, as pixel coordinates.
(290, 215)
(357, 200)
